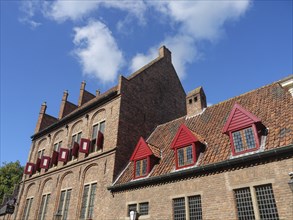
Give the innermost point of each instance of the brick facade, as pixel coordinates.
(151, 104)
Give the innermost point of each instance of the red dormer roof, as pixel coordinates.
(183, 137)
(141, 150)
(239, 118)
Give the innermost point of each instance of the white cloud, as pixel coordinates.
(97, 51)
(196, 21)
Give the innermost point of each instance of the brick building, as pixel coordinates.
(146, 146)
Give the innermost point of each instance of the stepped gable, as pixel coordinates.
(272, 104)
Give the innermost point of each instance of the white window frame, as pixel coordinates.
(252, 189)
(64, 201)
(88, 198)
(45, 206)
(99, 128)
(26, 212)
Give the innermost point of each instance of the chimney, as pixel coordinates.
(164, 52)
(82, 88)
(195, 101)
(63, 103)
(41, 116)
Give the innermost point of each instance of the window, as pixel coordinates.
(75, 139)
(88, 201)
(57, 146)
(143, 208)
(44, 206)
(64, 203)
(27, 208)
(131, 207)
(262, 206)
(243, 140)
(185, 156)
(95, 146)
(41, 153)
(141, 168)
(193, 211)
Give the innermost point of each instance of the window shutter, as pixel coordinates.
(75, 149)
(38, 165)
(84, 145)
(29, 168)
(63, 154)
(45, 162)
(100, 140)
(55, 157)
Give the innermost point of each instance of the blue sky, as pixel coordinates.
(228, 47)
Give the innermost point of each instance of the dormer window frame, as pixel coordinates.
(185, 146)
(247, 150)
(147, 158)
(239, 120)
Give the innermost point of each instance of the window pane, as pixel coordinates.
(46, 206)
(266, 202)
(42, 207)
(84, 202)
(61, 202)
(27, 208)
(189, 155)
(179, 209)
(95, 131)
(92, 200)
(144, 167)
(73, 139)
(249, 137)
(180, 157)
(102, 127)
(143, 208)
(195, 211)
(137, 168)
(78, 137)
(244, 204)
(237, 141)
(131, 207)
(65, 213)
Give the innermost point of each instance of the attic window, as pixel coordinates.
(185, 156)
(144, 159)
(190, 101)
(243, 139)
(186, 147)
(244, 130)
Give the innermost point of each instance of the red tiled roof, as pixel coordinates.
(272, 104)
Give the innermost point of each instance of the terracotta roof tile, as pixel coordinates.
(272, 104)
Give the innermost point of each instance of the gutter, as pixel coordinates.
(282, 151)
(75, 115)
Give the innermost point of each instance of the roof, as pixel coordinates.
(272, 104)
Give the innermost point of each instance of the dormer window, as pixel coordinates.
(144, 157)
(243, 129)
(186, 146)
(185, 156)
(141, 167)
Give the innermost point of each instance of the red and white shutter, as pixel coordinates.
(45, 162)
(84, 145)
(29, 168)
(63, 154)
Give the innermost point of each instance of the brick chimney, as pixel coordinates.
(63, 103)
(195, 102)
(41, 116)
(84, 96)
(164, 52)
